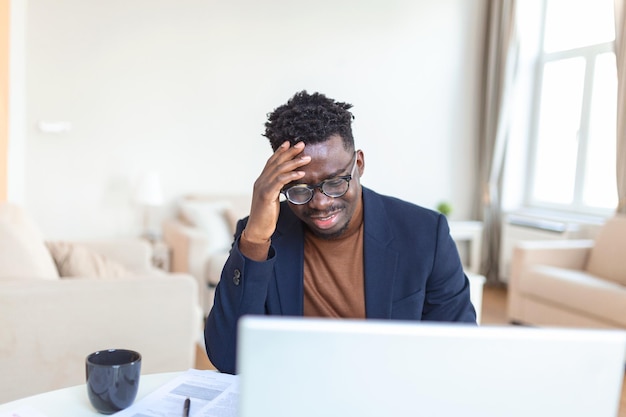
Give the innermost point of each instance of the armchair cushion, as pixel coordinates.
(135, 254)
(607, 258)
(23, 253)
(577, 291)
(210, 218)
(201, 235)
(74, 260)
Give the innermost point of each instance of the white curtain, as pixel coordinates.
(498, 72)
(620, 54)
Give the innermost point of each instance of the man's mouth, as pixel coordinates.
(326, 220)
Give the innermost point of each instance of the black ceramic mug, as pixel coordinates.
(112, 379)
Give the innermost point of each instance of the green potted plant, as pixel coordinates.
(444, 208)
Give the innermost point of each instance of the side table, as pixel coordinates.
(477, 283)
(161, 255)
(472, 232)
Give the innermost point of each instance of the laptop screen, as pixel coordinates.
(327, 367)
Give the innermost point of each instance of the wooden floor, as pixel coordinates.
(493, 313)
(202, 361)
(494, 305)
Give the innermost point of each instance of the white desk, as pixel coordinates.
(73, 401)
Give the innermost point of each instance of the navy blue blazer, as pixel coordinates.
(412, 272)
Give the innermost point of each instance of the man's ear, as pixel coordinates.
(360, 162)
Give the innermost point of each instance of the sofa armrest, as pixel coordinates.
(49, 327)
(189, 247)
(569, 254)
(133, 253)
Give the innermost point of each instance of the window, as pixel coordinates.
(572, 143)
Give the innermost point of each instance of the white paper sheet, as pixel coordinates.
(212, 394)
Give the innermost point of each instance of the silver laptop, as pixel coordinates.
(299, 367)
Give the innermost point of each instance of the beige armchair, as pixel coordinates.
(107, 296)
(200, 237)
(575, 283)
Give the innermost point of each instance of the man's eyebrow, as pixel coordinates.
(329, 177)
(335, 174)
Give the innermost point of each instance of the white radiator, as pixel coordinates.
(516, 228)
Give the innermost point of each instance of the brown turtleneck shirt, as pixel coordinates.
(333, 275)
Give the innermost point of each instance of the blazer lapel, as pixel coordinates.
(289, 245)
(380, 261)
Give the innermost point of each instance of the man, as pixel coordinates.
(334, 248)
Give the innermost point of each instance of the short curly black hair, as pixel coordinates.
(309, 118)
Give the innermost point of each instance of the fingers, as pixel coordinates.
(288, 158)
(283, 166)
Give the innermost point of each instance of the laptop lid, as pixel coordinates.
(326, 367)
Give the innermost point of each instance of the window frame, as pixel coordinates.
(589, 54)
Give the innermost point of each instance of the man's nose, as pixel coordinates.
(320, 201)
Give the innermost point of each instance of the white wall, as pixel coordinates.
(17, 102)
(183, 87)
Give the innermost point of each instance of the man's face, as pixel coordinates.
(325, 216)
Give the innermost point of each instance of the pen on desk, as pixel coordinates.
(186, 407)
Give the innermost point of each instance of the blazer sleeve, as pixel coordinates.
(447, 289)
(242, 290)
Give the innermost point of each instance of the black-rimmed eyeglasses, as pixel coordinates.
(332, 187)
